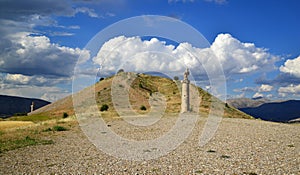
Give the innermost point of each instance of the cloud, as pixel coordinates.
(134, 54)
(36, 55)
(19, 79)
(61, 34)
(19, 10)
(292, 67)
(292, 89)
(25, 16)
(265, 88)
(48, 93)
(90, 12)
(245, 89)
(184, 1)
(238, 58)
(257, 95)
(220, 2)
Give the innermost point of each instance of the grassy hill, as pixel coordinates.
(141, 88)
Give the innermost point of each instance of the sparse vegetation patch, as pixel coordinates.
(65, 115)
(59, 128)
(19, 143)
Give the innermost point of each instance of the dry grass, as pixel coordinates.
(4, 125)
(18, 134)
(139, 93)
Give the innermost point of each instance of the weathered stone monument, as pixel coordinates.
(31, 106)
(185, 98)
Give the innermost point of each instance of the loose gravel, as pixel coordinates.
(240, 146)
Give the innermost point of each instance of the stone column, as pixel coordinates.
(31, 106)
(185, 98)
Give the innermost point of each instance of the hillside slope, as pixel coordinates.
(141, 89)
(11, 105)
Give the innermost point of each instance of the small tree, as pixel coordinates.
(104, 107)
(120, 70)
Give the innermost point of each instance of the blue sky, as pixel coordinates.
(257, 42)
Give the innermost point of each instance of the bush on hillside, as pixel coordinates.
(143, 108)
(104, 107)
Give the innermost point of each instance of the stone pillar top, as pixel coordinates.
(185, 76)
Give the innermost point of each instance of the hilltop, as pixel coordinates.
(141, 89)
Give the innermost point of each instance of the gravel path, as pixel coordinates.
(240, 146)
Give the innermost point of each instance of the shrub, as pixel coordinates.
(143, 108)
(104, 107)
(140, 85)
(65, 115)
(176, 78)
(59, 128)
(101, 79)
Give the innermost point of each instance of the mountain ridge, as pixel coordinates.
(284, 111)
(11, 105)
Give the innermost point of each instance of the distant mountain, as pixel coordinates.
(247, 102)
(10, 105)
(275, 111)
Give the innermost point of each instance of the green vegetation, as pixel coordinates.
(198, 171)
(55, 128)
(19, 143)
(59, 128)
(211, 151)
(225, 157)
(33, 118)
(120, 71)
(104, 107)
(65, 115)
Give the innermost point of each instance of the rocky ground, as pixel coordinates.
(240, 146)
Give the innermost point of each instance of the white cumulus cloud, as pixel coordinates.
(135, 54)
(291, 66)
(292, 89)
(257, 95)
(239, 57)
(36, 55)
(265, 88)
